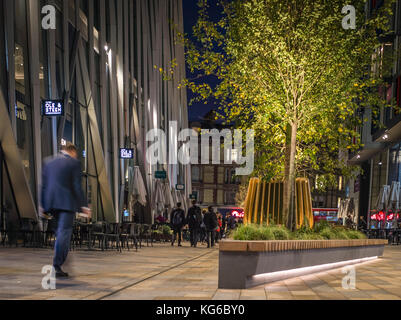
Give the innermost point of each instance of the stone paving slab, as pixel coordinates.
(163, 272)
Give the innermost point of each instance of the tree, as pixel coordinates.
(288, 70)
(240, 196)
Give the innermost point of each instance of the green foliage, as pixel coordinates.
(280, 233)
(253, 232)
(166, 230)
(353, 234)
(284, 63)
(321, 231)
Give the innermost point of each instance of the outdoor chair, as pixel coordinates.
(147, 234)
(136, 234)
(76, 237)
(125, 234)
(29, 232)
(99, 233)
(113, 234)
(50, 232)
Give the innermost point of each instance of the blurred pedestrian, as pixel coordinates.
(231, 223)
(218, 229)
(161, 220)
(210, 220)
(223, 226)
(194, 220)
(202, 236)
(177, 220)
(62, 196)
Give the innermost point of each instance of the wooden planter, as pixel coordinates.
(244, 264)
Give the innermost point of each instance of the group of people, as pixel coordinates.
(207, 226)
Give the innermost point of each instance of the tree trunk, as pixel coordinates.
(289, 207)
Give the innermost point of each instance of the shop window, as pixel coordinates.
(220, 175)
(230, 177)
(208, 174)
(19, 68)
(21, 51)
(208, 196)
(229, 198)
(196, 177)
(220, 197)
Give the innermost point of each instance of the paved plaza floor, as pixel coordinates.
(163, 272)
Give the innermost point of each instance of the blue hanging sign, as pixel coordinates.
(126, 153)
(52, 108)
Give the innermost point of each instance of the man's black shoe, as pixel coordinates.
(61, 274)
(180, 245)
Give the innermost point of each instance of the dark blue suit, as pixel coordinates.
(62, 196)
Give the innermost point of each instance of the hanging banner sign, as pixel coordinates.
(52, 108)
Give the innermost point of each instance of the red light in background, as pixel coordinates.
(237, 214)
(390, 216)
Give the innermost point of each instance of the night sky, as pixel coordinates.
(197, 110)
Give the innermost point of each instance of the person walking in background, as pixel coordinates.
(231, 223)
(223, 226)
(194, 220)
(219, 227)
(203, 227)
(62, 196)
(210, 220)
(177, 220)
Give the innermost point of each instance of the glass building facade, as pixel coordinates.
(102, 60)
(380, 159)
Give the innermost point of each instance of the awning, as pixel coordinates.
(158, 200)
(394, 197)
(382, 199)
(168, 197)
(136, 186)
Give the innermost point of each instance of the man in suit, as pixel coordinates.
(62, 196)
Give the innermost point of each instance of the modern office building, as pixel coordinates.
(102, 60)
(380, 158)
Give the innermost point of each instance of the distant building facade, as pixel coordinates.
(215, 184)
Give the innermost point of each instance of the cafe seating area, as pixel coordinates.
(93, 236)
